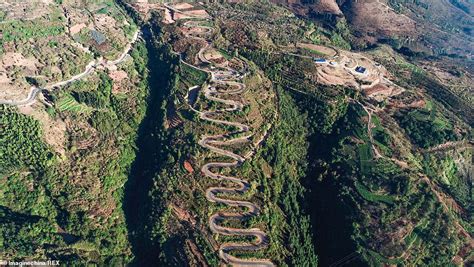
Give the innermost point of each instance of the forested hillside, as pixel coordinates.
(64, 165)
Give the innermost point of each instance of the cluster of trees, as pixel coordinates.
(278, 170)
(98, 98)
(426, 128)
(23, 236)
(242, 30)
(158, 175)
(341, 34)
(325, 105)
(283, 194)
(22, 145)
(98, 226)
(452, 174)
(15, 31)
(315, 112)
(377, 191)
(442, 94)
(24, 158)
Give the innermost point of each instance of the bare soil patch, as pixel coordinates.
(374, 19)
(382, 91)
(11, 59)
(168, 18)
(54, 129)
(77, 28)
(118, 75)
(182, 6)
(319, 48)
(200, 13)
(214, 56)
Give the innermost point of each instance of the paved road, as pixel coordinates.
(230, 79)
(30, 99)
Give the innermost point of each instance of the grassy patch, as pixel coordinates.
(68, 103)
(379, 260)
(314, 52)
(369, 196)
(225, 54)
(365, 157)
(192, 76)
(426, 128)
(413, 236)
(22, 146)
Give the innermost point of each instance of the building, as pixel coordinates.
(360, 69)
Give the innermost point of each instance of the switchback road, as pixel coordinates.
(230, 79)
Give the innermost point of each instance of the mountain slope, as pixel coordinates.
(433, 27)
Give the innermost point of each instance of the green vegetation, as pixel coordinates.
(365, 157)
(21, 31)
(225, 54)
(121, 184)
(241, 22)
(68, 103)
(153, 174)
(70, 206)
(376, 259)
(289, 226)
(382, 195)
(382, 138)
(21, 236)
(25, 206)
(191, 76)
(369, 196)
(339, 41)
(98, 98)
(426, 129)
(22, 147)
(164, 181)
(2, 15)
(449, 170)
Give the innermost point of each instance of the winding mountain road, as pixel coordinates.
(30, 99)
(230, 79)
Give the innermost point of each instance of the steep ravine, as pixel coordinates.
(141, 201)
(330, 213)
